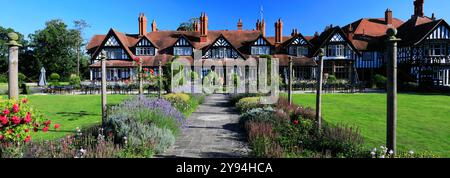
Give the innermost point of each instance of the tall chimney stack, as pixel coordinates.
(154, 29)
(142, 24)
(263, 28)
(418, 8)
(196, 26)
(258, 25)
(239, 25)
(278, 31)
(388, 17)
(351, 32)
(203, 27)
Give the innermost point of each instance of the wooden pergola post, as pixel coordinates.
(319, 89)
(13, 82)
(159, 79)
(104, 92)
(391, 89)
(290, 81)
(141, 78)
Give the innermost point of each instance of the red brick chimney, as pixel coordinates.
(418, 8)
(196, 26)
(154, 29)
(263, 28)
(278, 31)
(239, 25)
(203, 27)
(142, 24)
(388, 17)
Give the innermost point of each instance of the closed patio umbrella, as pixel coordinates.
(42, 78)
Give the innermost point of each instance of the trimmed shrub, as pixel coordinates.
(74, 80)
(54, 79)
(257, 115)
(246, 104)
(179, 101)
(331, 79)
(380, 81)
(3, 78)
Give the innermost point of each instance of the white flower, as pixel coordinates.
(374, 150)
(391, 152)
(411, 152)
(82, 150)
(372, 153)
(382, 156)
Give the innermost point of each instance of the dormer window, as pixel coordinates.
(145, 48)
(260, 47)
(337, 50)
(298, 50)
(182, 48)
(220, 49)
(298, 47)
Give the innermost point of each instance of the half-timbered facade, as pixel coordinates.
(354, 52)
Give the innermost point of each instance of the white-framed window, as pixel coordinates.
(298, 50)
(260, 50)
(302, 51)
(115, 53)
(182, 51)
(145, 51)
(436, 49)
(336, 50)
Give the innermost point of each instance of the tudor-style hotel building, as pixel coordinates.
(354, 52)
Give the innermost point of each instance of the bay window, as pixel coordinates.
(115, 53)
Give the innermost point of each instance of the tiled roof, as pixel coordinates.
(369, 33)
(416, 29)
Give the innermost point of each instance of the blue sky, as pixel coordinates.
(306, 15)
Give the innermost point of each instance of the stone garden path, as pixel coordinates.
(212, 131)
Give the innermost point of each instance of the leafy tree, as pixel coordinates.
(4, 50)
(82, 60)
(187, 26)
(55, 48)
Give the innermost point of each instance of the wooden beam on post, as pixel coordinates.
(391, 90)
(290, 80)
(13, 75)
(159, 79)
(104, 92)
(319, 89)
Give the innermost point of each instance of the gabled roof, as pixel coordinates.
(369, 33)
(222, 36)
(289, 41)
(145, 37)
(325, 37)
(416, 29)
(121, 39)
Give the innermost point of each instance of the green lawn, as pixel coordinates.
(71, 111)
(423, 120)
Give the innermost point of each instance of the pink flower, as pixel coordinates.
(1, 137)
(6, 112)
(25, 100)
(45, 129)
(27, 139)
(27, 118)
(56, 126)
(47, 123)
(295, 122)
(15, 120)
(15, 108)
(3, 120)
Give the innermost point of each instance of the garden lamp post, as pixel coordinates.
(104, 109)
(290, 81)
(319, 89)
(13, 82)
(391, 89)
